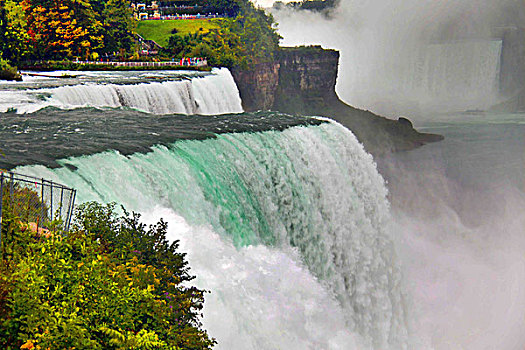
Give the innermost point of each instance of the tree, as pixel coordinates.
(61, 29)
(119, 26)
(14, 39)
(88, 19)
(228, 7)
(110, 283)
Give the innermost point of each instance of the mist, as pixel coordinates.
(458, 205)
(410, 57)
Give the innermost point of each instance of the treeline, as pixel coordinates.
(247, 37)
(324, 6)
(90, 29)
(65, 29)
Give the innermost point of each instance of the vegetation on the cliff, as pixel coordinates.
(110, 283)
(310, 5)
(247, 38)
(8, 72)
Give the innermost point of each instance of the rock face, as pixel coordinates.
(512, 71)
(10, 74)
(257, 87)
(302, 81)
(307, 76)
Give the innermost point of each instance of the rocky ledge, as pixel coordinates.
(302, 81)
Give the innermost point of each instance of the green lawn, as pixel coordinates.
(160, 30)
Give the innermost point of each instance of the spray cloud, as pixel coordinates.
(410, 57)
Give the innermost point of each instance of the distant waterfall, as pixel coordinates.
(311, 190)
(212, 94)
(440, 77)
(460, 73)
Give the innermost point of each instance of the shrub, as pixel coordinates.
(7, 72)
(111, 283)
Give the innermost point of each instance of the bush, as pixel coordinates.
(7, 72)
(111, 283)
(244, 41)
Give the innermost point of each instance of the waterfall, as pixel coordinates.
(211, 94)
(439, 77)
(460, 73)
(264, 204)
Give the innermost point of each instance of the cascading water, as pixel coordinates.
(464, 72)
(211, 94)
(306, 195)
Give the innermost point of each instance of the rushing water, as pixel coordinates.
(287, 221)
(162, 92)
(269, 188)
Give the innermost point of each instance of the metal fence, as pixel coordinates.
(197, 62)
(41, 203)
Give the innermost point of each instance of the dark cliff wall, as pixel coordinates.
(302, 81)
(512, 71)
(257, 86)
(307, 76)
(298, 75)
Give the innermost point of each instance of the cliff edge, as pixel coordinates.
(302, 81)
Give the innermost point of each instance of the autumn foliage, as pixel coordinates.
(63, 29)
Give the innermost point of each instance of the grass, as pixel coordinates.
(160, 30)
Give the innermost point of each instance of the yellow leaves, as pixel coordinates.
(28, 345)
(59, 31)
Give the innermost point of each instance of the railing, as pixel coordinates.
(201, 62)
(35, 201)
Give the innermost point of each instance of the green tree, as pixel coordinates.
(14, 39)
(112, 283)
(90, 20)
(119, 26)
(248, 39)
(229, 7)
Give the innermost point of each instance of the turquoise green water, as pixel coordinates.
(309, 188)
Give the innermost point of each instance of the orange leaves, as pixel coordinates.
(56, 30)
(28, 345)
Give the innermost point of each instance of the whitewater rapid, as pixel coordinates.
(292, 243)
(209, 94)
